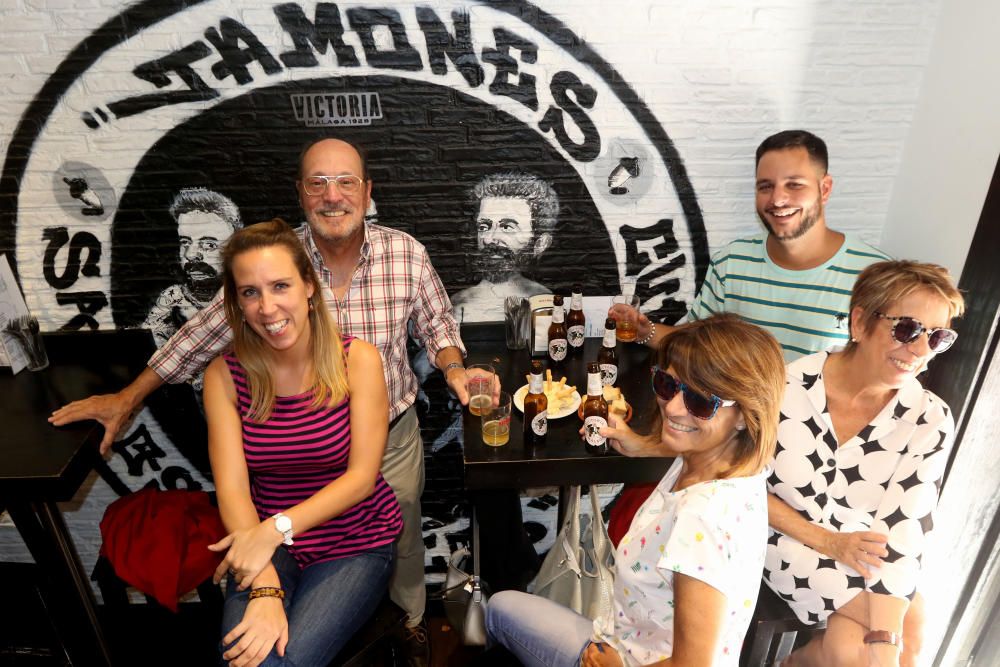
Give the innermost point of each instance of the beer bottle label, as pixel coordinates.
(557, 349)
(609, 338)
(592, 426)
(609, 374)
(540, 424)
(576, 335)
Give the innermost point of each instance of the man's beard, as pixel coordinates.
(202, 280)
(809, 218)
(497, 263)
(334, 230)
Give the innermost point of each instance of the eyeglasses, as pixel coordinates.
(906, 330)
(347, 184)
(704, 407)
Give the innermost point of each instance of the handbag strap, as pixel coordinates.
(475, 545)
(598, 531)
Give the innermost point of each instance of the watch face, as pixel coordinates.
(283, 523)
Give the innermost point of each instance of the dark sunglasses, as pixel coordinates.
(906, 330)
(666, 387)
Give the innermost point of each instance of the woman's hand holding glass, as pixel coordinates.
(857, 550)
(264, 626)
(621, 312)
(249, 552)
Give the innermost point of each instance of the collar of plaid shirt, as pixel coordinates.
(372, 313)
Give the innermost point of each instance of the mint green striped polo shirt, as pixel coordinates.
(805, 310)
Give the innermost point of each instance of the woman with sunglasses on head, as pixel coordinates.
(862, 448)
(687, 571)
(297, 425)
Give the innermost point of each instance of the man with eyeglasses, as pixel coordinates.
(795, 280)
(376, 282)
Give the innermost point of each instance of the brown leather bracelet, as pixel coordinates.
(267, 592)
(884, 637)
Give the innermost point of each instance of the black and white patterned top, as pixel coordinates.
(885, 479)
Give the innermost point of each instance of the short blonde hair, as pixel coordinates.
(735, 360)
(883, 284)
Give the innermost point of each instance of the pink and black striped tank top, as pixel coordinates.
(297, 452)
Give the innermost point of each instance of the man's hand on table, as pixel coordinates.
(112, 411)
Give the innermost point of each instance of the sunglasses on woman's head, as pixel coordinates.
(906, 330)
(666, 387)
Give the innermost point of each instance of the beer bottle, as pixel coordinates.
(595, 412)
(576, 323)
(535, 408)
(607, 358)
(558, 345)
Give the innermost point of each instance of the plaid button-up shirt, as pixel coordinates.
(393, 285)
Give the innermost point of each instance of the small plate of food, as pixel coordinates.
(564, 399)
(617, 405)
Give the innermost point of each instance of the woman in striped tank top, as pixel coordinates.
(298, 421)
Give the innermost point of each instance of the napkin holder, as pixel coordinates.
(540, 307)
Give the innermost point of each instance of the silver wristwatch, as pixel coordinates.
(284, 526)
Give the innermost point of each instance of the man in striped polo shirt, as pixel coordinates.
(795, 280)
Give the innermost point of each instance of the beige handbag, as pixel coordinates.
(578, 571)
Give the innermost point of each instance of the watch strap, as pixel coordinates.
(884, 637)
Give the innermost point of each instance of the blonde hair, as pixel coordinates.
(326, 346)
(735, 360)
(883, 284)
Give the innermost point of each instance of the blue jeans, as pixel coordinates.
(325, 603)
(540, 632)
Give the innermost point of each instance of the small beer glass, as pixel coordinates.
(480, 386)
(496, 421)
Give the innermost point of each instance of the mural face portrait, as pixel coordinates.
(505, 237)
(201, 237)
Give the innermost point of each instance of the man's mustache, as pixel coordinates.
(207, 271)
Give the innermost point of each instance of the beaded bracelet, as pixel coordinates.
(267, 592)
(652, 332)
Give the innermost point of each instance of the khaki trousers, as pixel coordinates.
(403, 469)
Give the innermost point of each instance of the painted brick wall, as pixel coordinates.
(687, 88)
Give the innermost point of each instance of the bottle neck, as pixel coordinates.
(594, 386)
(577, 302)
(609, 338)
(557, 314)
(536, 384)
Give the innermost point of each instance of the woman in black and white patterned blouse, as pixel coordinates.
(862, 448)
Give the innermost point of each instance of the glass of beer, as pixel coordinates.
(625, 330)
(496, 421)
(480, 386)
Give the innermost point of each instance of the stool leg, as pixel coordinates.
(785, 645)
(761, 646)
